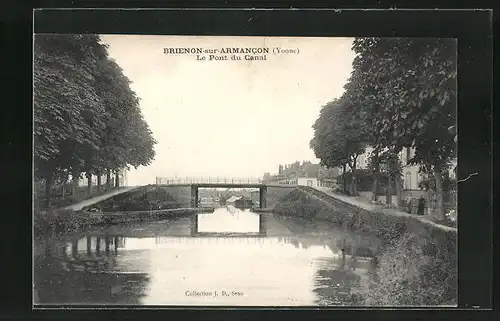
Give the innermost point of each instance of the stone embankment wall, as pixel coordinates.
(417, 264)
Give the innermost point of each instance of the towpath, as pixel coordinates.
(367, 205)
(78, 206)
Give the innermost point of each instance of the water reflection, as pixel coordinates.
(79, 272)
(337, 279)
(165, 265)
(229, 220)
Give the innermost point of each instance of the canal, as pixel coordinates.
(228, 257)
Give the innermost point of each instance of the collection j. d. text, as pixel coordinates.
(231, 53)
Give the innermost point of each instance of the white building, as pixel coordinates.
(411, 176)
(308, 181)
(302, 181)
(362, 160)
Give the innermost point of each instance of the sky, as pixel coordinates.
(230, 118)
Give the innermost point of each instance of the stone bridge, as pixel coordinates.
(187, 194)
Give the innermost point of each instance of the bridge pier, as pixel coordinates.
(262, 225)
(262, 196)
(194, 196)
(74, 248)
(194, 225)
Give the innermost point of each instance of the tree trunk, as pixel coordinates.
(98, 182)
(74, 190)
(440, 215)
(375, 187)
(108, 178)
(63, 188)
(117, 181)
(399, 191)
(48, 190)
(429, 203)
(64, 181)
(376, 174)
(344, 182)
(388, 197)
(353, 177)
(89, 183)
(354, 183)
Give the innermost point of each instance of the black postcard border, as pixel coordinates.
(473, 29)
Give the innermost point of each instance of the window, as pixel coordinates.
(408, 156)
(408, 180)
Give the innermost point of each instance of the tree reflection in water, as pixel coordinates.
(86, 277)
(337, 280)
(90, 270)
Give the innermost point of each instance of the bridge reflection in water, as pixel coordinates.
(258, 259)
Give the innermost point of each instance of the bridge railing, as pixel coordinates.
(206, 180)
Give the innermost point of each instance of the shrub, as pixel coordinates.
(50, 221)
(408, 273)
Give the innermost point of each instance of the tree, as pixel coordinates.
(392, 169)
(67, 109)
(266, 178)
(374, 167)
(127, 139)
(86, 117)
(404, 90)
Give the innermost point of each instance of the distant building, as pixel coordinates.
(306, 174)
(363, 159)
(240, 201)
(302, 181)
(243, 202)
(233, 199)
(255, 196)
(411, 177)
(308, 181)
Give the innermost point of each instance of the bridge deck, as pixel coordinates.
(228, 185)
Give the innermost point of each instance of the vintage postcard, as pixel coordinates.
(244, 171)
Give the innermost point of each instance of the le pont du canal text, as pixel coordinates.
(229, 53)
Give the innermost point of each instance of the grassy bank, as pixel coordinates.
(417, 264)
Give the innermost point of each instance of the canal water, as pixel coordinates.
(228, 257)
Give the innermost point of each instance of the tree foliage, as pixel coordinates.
(86, 117)
(67, 110)
(401, 93)
(338, 135)
(405, 92)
